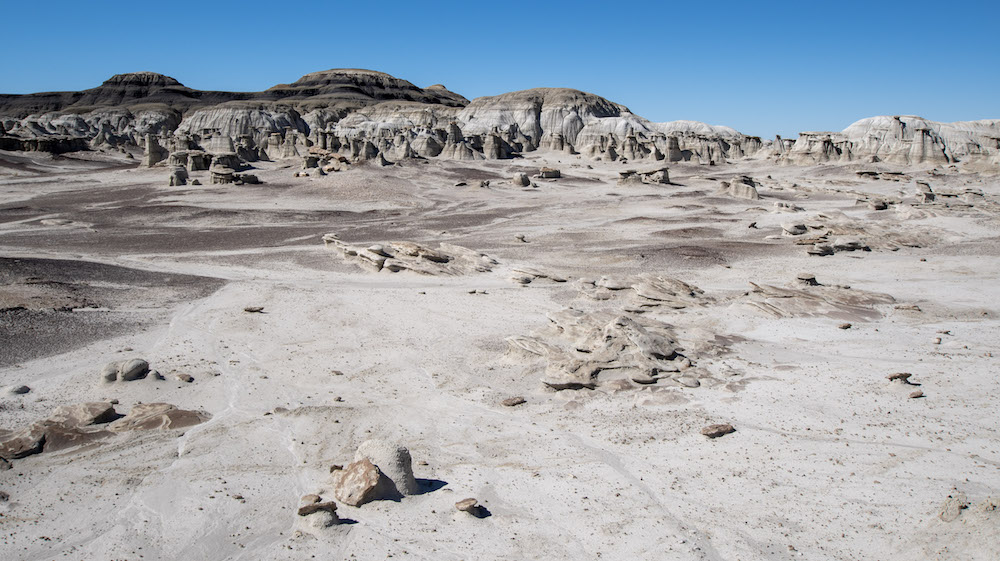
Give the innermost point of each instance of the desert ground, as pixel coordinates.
(102, 261)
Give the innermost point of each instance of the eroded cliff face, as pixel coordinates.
(556, 119)
(904, 140)
(367, 115)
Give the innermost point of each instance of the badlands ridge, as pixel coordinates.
(350, 318)
(360, 114)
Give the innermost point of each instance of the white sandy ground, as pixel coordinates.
(830, 460)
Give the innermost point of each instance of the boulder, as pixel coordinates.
(361, 482)
(125, 370)
(393, 460)
(715, 431)
(742, 187)
(521, 180)
(133, 369)
(178, 176)
(512, 401)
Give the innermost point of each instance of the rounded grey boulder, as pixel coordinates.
(393, 461)
(110, 371)
(134, 369)
(125, 370)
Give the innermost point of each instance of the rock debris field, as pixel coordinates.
(490, 335)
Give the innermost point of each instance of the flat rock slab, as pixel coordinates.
(715, 431)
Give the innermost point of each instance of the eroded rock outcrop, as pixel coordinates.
(905, 140)
(73, 425)
(814, 299)
(394, 257)
(361, 113)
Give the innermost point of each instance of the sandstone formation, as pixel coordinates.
(583, 350)
(73, 425)
(741, 187)
(394, 257)
(366, 115)
(814, 300)
(654, 176)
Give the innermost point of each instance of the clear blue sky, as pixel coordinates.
(760, 67)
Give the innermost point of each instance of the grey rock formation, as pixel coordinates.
(904, 140)
(393, 460)
(125, 370)
(153, 153)
(178, 176)
(741, 187)
(656, 176)
(361, 113)
(394, 257)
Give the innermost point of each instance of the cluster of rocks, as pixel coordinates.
(127, 371)
(381, 470)
(74, 425)
(394, 257)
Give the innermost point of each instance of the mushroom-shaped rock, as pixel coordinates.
(314, 507)
(807, 279)
(317, 513)
(393, 460)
